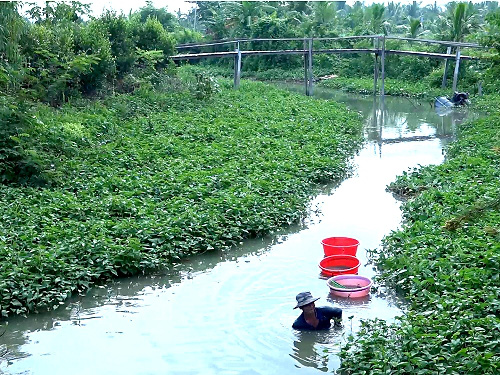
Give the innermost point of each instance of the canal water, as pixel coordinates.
(231, 313)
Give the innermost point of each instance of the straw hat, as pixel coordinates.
(305, 298)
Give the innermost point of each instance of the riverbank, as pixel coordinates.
(393, 87)
(428, 88)
(445, 261)
(141, 180)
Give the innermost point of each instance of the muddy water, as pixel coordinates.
(231, 313)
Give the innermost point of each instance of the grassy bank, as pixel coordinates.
(445, 260)
(428, 88)
(140, 180)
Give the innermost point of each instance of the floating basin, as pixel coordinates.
(340, 246)
(352, 286)
(334, 265)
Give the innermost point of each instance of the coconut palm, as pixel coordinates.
(212, 16)
(414, 26)
(461, 21)
(394, 12)
(377, 18)
(242, 14)
(325, 12)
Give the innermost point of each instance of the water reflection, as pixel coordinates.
(396, 119)
(231, 312)
(315, 349)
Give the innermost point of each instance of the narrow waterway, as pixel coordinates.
(231, 313)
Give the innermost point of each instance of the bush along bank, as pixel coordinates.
(445, 260)
(143, 179)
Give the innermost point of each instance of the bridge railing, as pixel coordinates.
(379, 50)
(244, 40)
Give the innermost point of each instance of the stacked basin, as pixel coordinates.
(341, 265)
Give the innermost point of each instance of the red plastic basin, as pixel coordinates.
(340, 246)
(339, 265)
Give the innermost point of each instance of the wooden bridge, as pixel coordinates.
(379, 50)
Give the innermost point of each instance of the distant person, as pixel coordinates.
(312, 317)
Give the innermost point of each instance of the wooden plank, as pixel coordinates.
(353, 37)
(194, 56)
(325, 51)
(188, 56)
(428, 54)
(442, 42)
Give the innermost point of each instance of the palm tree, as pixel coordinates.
(212, 16)
(377, 19)
(461, 20)
(325, 12)
(415, 25)
(413, 10)
(394, 12)
(244, 13)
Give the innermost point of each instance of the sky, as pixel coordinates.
(126, 5)
(185, 6)
(174, 5)
(97, 6)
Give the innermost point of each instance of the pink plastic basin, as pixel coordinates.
(339, 265)
(340, 246)
(359, 286)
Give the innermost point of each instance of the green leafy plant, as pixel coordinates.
(205, 86)
(143, 179)
(445, 262)
(19, 163)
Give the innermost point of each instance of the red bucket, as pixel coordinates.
(340, 246)
(334, 265)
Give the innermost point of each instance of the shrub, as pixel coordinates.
(91, 42)
(18, 164)
(118, 30)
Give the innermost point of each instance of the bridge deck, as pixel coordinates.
(190, 56)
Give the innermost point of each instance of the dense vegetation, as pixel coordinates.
(445, 261)
(141, 179)
(454, 21)
(113, 161)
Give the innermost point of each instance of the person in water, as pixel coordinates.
(312, 317)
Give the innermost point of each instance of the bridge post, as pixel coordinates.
(306, 65)
(443, 84)
(237, 66)
(310, 67)
(457, 66)
(382, 62)
(375, 65)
